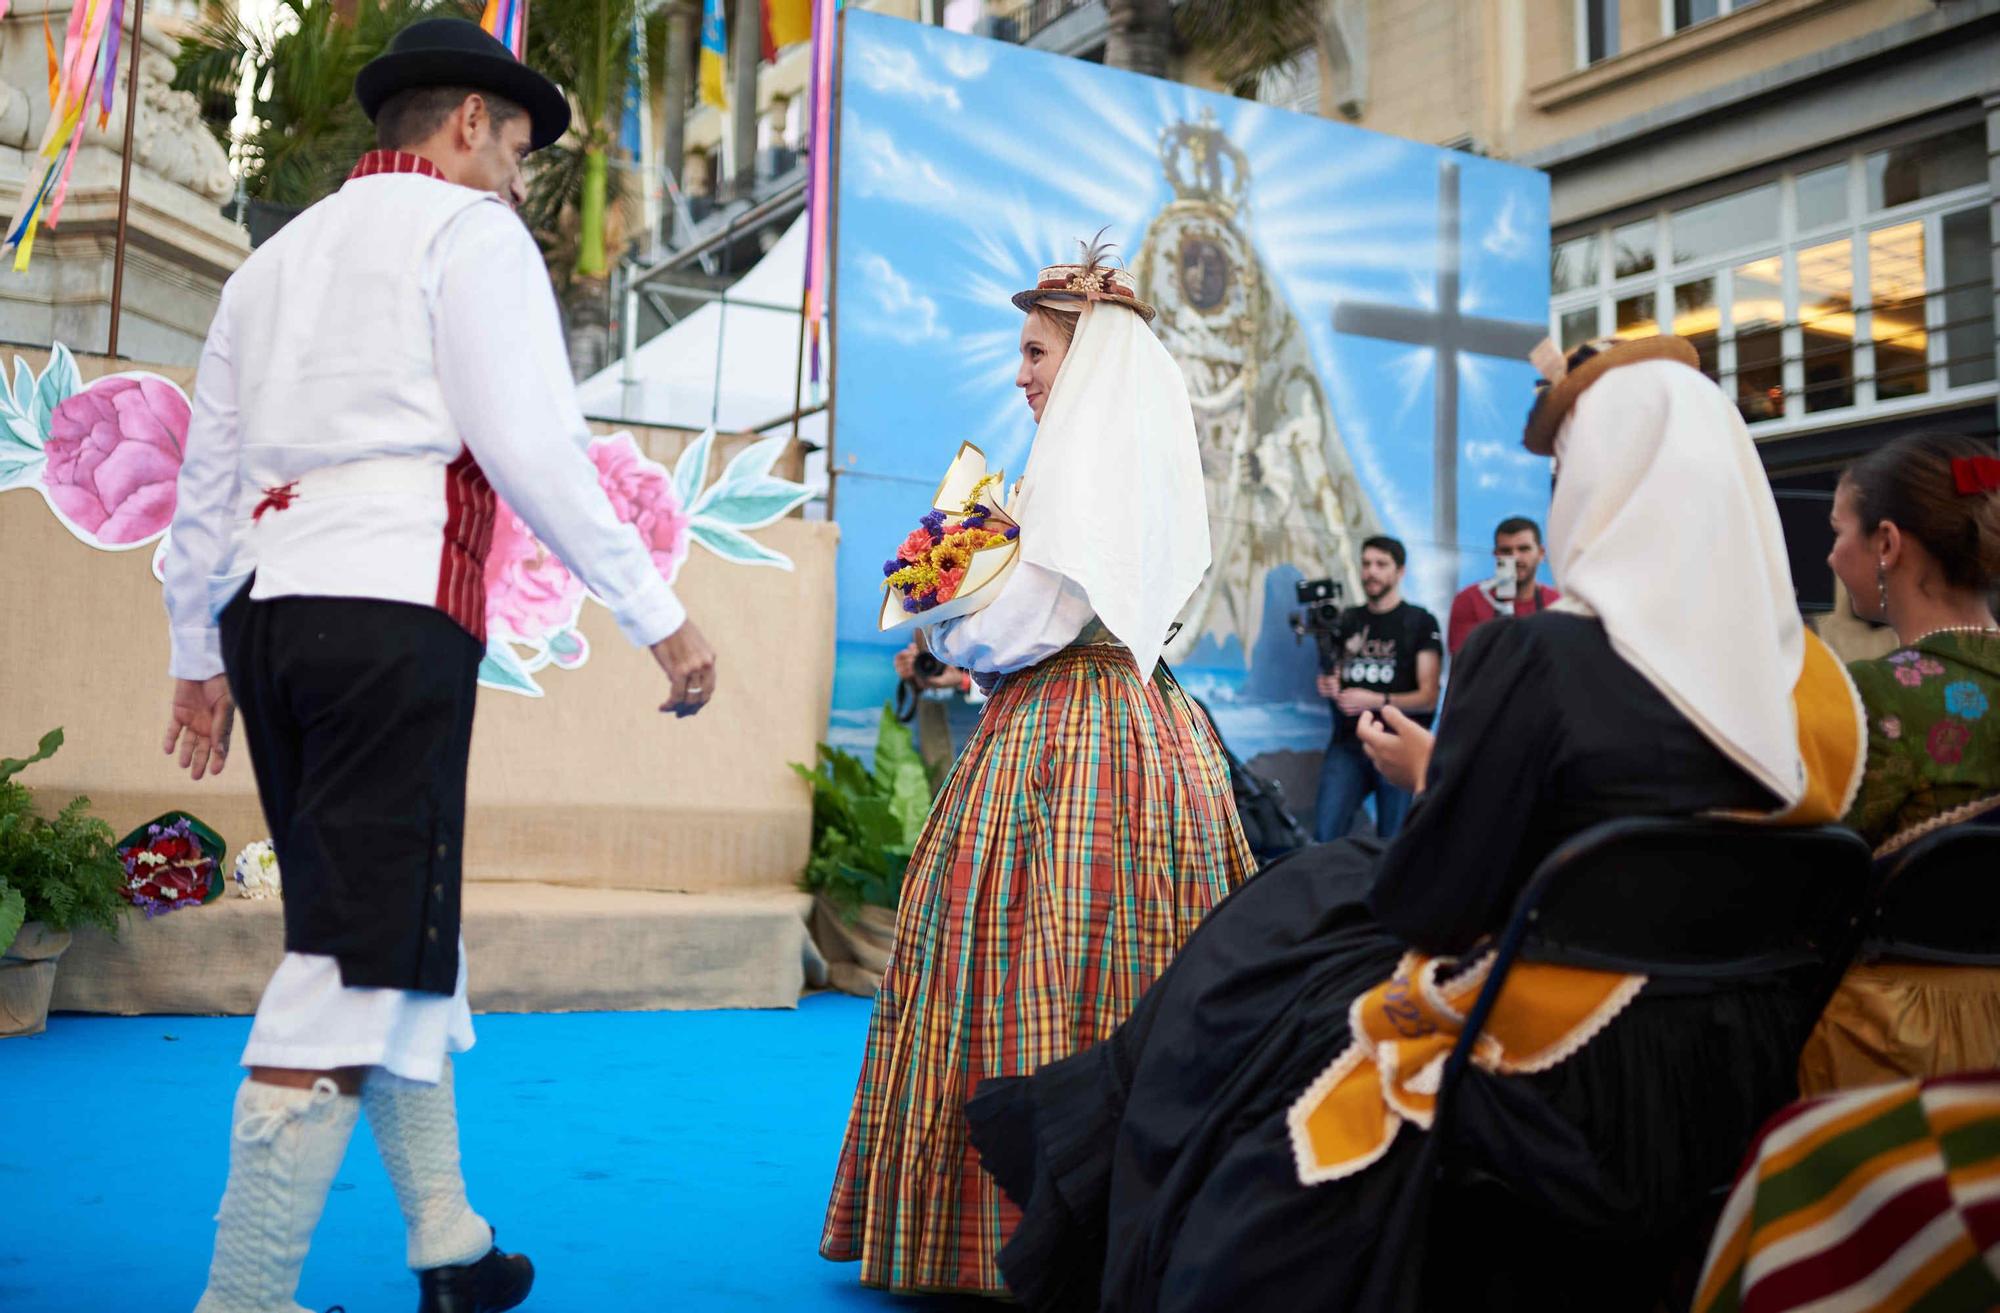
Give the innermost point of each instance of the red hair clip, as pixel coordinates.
(1975, 474)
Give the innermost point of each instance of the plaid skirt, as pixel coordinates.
(1086, 829)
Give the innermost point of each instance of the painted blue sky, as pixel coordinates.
(967, 164)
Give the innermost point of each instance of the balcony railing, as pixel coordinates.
(1019, 23)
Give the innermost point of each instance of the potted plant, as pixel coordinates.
(54, 874)
(865, 826)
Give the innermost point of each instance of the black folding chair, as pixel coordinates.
(1937, 903)
(1678, 898)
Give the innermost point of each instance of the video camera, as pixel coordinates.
(1319, 615)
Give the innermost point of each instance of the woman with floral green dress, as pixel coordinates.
(1917, 543)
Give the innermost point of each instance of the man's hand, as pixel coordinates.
(202, 719)
(1399, 747)
(1354, 701)
(906, 661)
(690, 665)
(1328, 685)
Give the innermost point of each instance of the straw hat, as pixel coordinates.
(1568, 378)
(1091, 280)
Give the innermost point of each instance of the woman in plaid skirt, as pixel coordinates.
(1087, 826)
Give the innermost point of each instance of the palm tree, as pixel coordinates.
(1241, 39)
(579, 184)
(309, 129)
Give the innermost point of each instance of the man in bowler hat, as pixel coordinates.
(374, 374)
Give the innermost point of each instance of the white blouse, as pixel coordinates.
(1037, 614)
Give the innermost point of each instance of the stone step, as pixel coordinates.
(532, 948)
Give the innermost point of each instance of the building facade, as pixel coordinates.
(1806, 189)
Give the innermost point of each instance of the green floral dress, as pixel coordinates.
(1933, 749)
(1933, 731)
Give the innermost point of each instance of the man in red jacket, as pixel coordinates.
(1517, 542)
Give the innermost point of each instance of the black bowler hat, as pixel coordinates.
(453, 52)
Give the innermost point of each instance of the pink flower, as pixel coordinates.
(529, 592)
(915, 547)
(1892, 727)
(643, 495)
(949, 583)
(1929, 666)
(114, 451)
(1947, 741)
(1908, 677)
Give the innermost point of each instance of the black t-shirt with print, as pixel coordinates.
(1378, 652)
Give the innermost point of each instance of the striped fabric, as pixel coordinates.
(1884, 1198)
(468, 534)
(393, 161)
(1086, 829)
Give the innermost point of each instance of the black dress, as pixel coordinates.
(1154, 1170)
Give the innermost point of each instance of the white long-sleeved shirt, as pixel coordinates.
(1036, 615)
(368, 372)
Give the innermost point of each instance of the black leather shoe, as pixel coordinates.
(494, 1284)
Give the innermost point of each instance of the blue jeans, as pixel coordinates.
(1346, 777)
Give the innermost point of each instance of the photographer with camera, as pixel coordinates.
(1517, 554)
(1383, 653)
(927, 686)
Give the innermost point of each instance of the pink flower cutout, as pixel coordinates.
(1930, 666)
(529, 592)
(1892, 727)
(114, 452)
(642, 494)
(1908, 677)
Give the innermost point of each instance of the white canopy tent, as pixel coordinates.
(731, 364)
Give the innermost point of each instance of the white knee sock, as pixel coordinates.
(286, 1146)
(416, 1129)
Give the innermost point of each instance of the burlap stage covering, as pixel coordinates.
(584, 791)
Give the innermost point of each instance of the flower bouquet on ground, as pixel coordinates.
(955, 560)
(256, 873)
(172, 861)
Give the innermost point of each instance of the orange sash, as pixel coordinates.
(1404, 1029)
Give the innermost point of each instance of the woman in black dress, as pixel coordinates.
(1157, 1170)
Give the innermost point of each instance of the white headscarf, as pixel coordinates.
(1113, 498)
(1664, 526)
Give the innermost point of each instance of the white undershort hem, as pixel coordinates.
(309, 1021)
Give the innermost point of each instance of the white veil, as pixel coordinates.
(1664, 527)
(1113, 498)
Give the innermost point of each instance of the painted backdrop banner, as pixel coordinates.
(1353, 313)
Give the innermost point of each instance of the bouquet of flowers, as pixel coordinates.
(256, 873)
(951, 564)
(171, 862)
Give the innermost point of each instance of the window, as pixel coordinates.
(1686, 13)
(1596, 30)
(1632, 248)
(1573, 265)
(1858, 284)
(1927, 168)
(1822, 196)
(1749, 218)
(1826, 325)
(1968, 302)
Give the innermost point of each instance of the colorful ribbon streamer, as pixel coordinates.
(508, 20)
(819, 172)
(89, 59)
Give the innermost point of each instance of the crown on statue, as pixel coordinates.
(1203, 164)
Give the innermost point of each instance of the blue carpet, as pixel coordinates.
(645, 1160)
